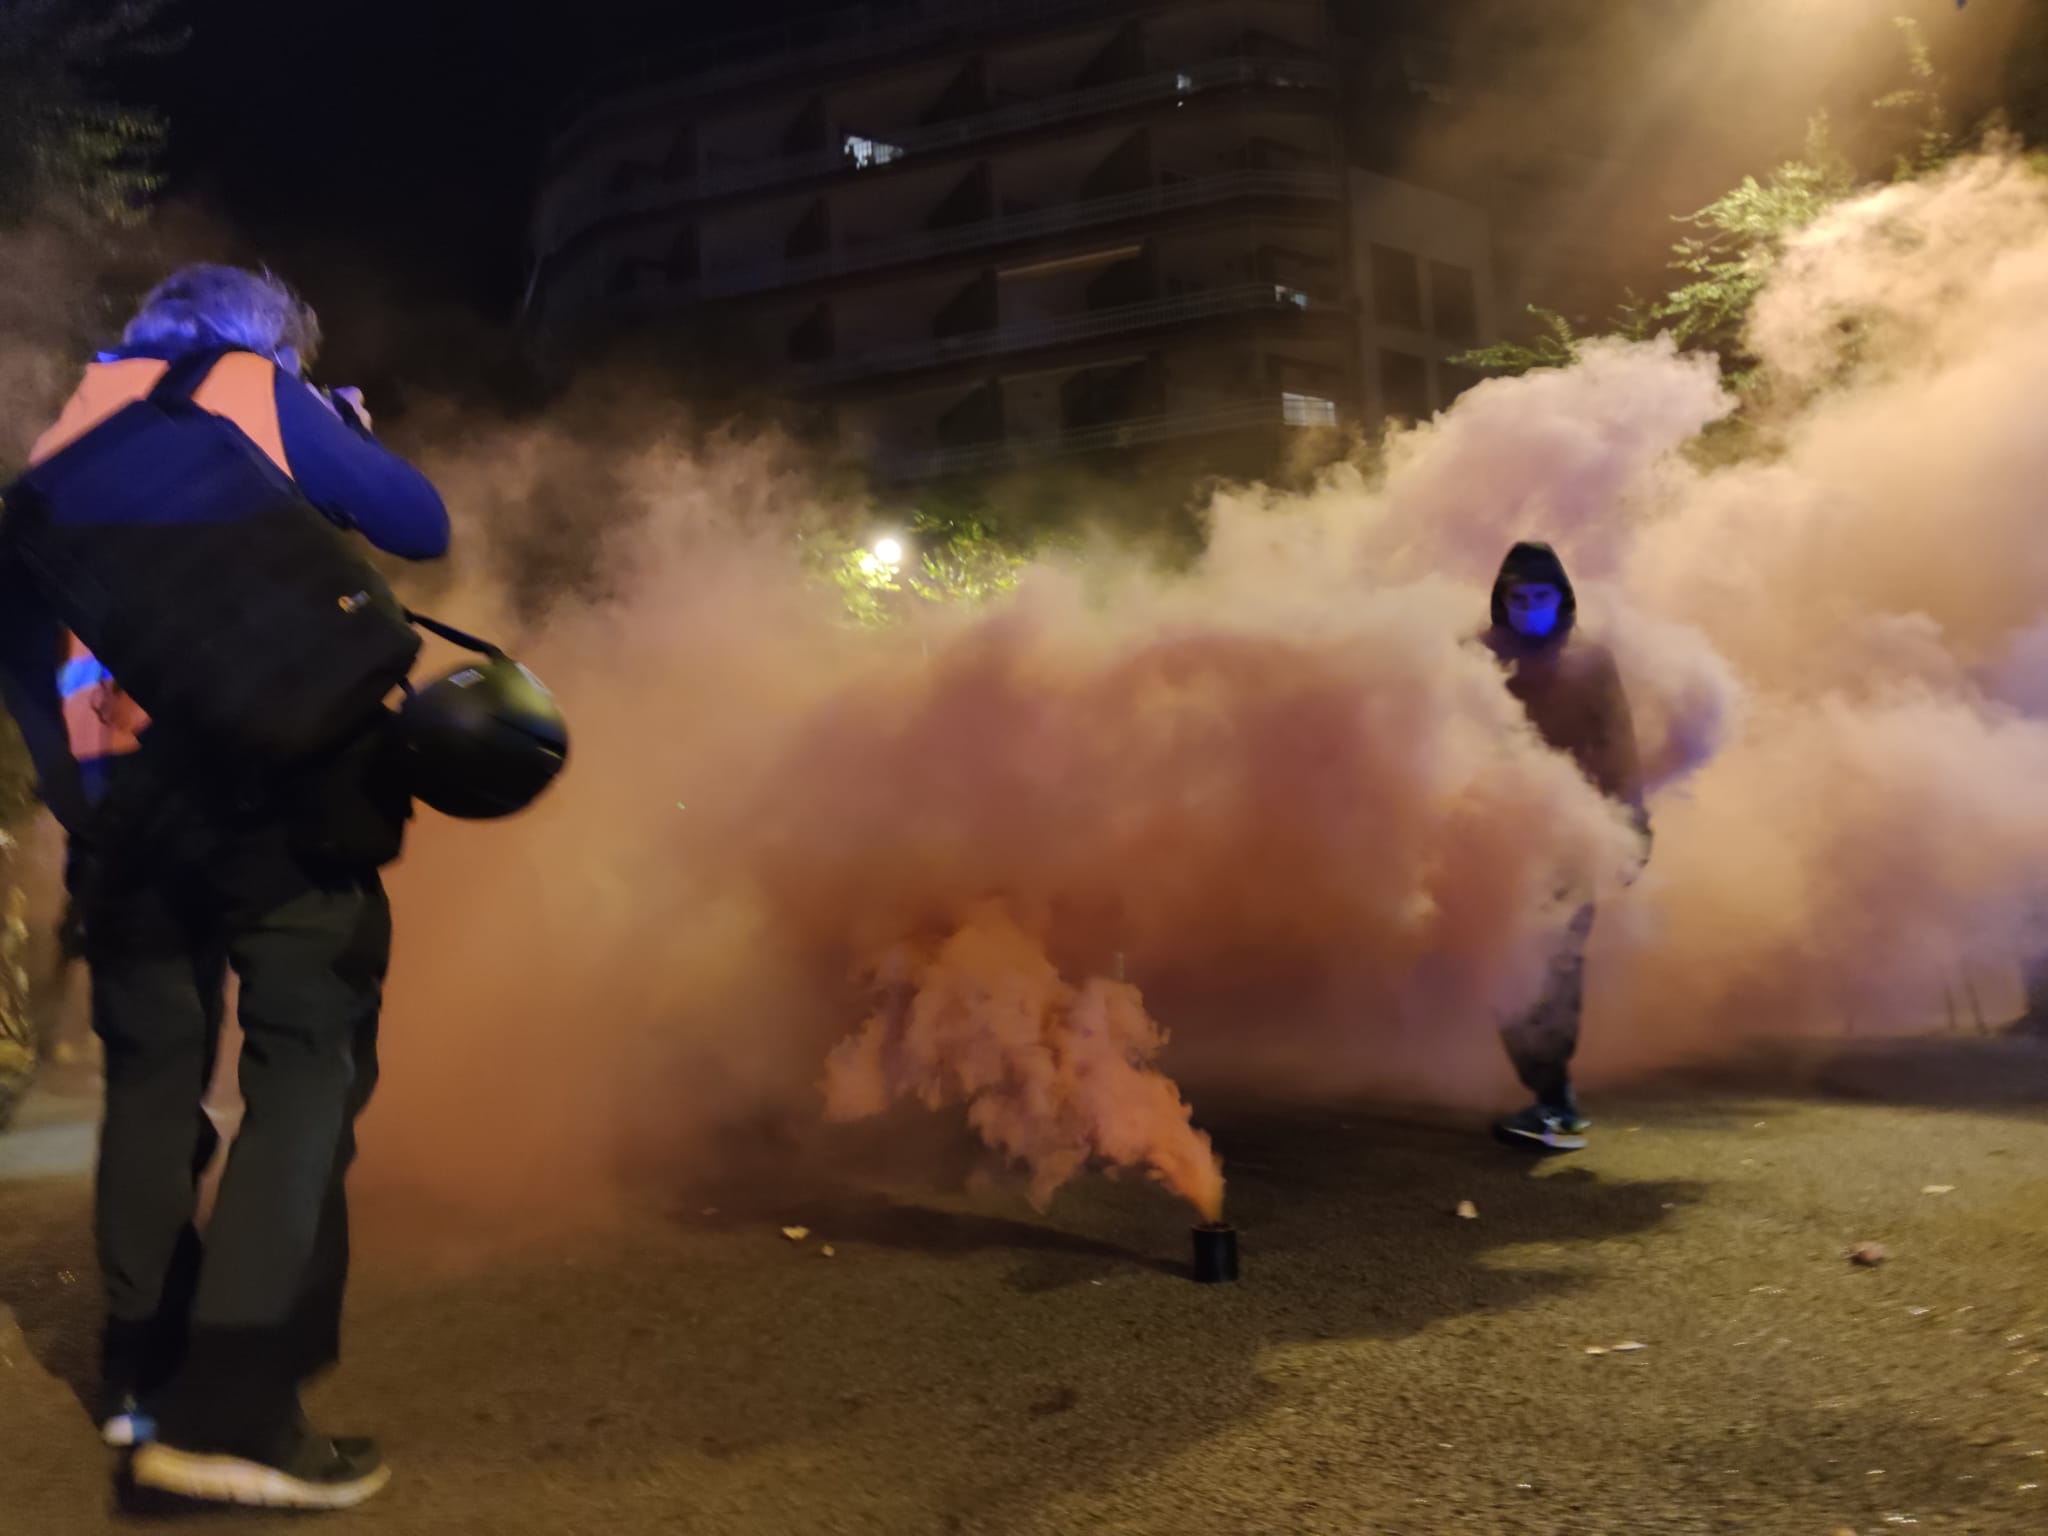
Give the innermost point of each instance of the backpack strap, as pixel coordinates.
(186, 374)
(450, 633)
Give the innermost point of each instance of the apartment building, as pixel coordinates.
(976, 232)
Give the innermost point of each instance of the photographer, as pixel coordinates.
(180, 873)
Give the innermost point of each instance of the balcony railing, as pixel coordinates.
(1242, 299)
(1168, 85)
(555, 323)
(1232, 417)
(1035, 225)
(846, 37)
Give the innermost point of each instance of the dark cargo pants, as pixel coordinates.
(217, 1334)
(1542, 1042)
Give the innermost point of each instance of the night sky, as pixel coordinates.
(390, 146)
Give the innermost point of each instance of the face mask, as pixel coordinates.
(1533, 610)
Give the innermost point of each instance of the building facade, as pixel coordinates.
(972, 232)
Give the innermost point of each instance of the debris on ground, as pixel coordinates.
(796, 1234)
(1938, 1189)
(1869, 1255)
(1629, 1347)
(828, 1250)
(1467, 1210)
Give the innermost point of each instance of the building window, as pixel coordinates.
(1453, 302)
(1396, 288)
(1307, 410)
(1404, 384)
(866, 152)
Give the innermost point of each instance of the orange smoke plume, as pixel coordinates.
(1052, 1075)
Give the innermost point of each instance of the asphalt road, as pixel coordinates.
(1385, 1368)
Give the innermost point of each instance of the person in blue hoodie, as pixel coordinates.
(208, 1341)
(1571, 690)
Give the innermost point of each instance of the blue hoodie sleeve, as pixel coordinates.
(357, 482)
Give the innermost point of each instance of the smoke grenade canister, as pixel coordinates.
(1215, 1253)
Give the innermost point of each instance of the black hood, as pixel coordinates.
(1532, 562)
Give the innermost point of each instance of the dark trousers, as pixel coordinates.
(1541, 1043)
(217, 1334)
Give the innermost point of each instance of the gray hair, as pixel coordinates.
(214, 306)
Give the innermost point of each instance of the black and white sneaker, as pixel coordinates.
(319, 1474)
(1542, 1128)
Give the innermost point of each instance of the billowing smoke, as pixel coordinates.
(1280, 794)
(1568, 120)
(1051, 1075)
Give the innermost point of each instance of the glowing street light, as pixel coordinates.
(889, 551)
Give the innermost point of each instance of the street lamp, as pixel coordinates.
(889, 550)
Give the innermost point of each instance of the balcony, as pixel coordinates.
(1235, 416)
(1247, 298)
(1325, 186)
(1035, 225)
(849, 36)
(858, 153)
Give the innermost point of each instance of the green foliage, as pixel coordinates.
(1743, 232)
(961, 561)
(1556, 346)
(1738, 238)
(1934, 140)
(948, 559)
(1557, 343)
(61, 139)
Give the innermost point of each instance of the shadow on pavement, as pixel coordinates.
(2001, 1074)
(856, 1215)
(950, 1360)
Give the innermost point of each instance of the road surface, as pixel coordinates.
(1386, 1368)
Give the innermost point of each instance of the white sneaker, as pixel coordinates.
(320, 1474)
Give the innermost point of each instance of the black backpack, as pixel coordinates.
(231, 609)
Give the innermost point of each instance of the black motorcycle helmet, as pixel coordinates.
(484, 740)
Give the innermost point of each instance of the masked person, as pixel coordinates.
(1572, 692)
(207, 1342)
